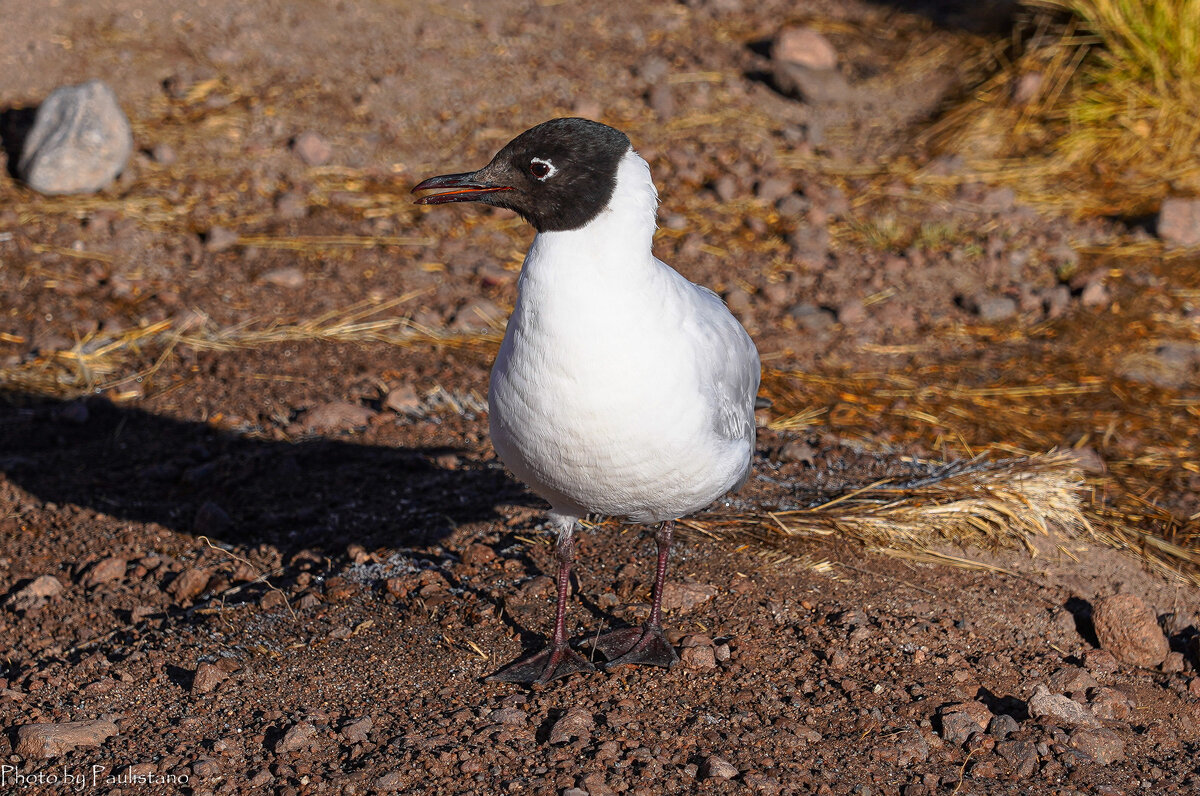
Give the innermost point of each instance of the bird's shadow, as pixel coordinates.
(317, 494)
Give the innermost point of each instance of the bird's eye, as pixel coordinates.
(541, 169)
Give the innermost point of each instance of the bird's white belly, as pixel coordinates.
(606, 420)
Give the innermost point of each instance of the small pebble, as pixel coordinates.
(684, 596)
(358, 732)
(188, 585)
(336, 416)
(1179, 222)
(718, 768)
(577, 723)
(289, 277)
(804, 46)
(206, 678)
(105, 570)
(1065, 709)
(299, 736)
(311, 148)
(219, 239)
(1128, 629)
(1100, 744)
(52, 740)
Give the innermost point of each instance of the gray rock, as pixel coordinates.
(697, 652)
(291, 205)
(1056, 300)
(738, 301)
(851, 312)
(403, 400)
(389, 782)
(993, 309)
(809, 243)
(79, 143)
(1026, 88)
(163, 154)
(653, 69)
(797, 450)
(958, 727)
(1021, 754)
(772, 189)
(478, 316)
(1179, 222)
(1110, 703)
(812, 317)
(1100, 662)
(1095, 294)
(1002, 726)
(1179, 622)
(1059, 707)
(726, 188)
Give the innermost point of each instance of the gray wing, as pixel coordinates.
(734, 372)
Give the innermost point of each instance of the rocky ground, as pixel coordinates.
(285, 563)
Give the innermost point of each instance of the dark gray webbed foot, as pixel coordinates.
(638, 646)
(552, 663)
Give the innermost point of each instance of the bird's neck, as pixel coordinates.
(615, 244)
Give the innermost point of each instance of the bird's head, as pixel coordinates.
(558, 175)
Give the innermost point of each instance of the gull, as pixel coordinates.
(621, 388)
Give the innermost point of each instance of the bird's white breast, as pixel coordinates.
(596, 397)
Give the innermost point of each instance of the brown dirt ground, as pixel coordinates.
(402, 563)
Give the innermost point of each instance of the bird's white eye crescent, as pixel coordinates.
(542, 169)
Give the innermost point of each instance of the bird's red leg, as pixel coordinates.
(557, 660)
(645, 646)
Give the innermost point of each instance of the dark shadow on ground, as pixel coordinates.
(15, 124)
(985, 17)
(319, 494)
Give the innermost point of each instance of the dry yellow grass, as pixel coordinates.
(1111, 123)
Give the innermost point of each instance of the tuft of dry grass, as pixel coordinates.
(1111, 121)
(975, 501)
